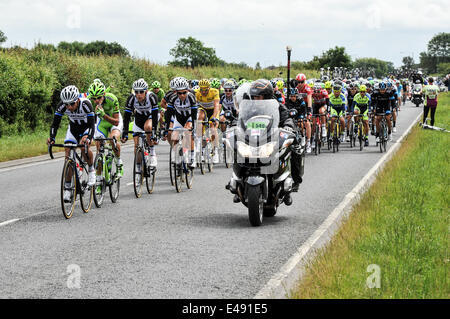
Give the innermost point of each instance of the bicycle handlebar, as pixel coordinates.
(69, 145)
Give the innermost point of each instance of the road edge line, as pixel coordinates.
(282, 283)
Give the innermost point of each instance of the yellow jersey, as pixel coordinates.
(207, 102)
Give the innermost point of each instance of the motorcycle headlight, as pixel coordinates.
(262, 151)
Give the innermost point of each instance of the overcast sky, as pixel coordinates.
(240, 30)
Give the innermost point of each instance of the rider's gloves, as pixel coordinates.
(100, 112)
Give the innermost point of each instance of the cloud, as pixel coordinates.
(240, 30)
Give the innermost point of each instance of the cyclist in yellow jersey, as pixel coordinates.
(209, 109)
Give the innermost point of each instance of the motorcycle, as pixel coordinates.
(417, 98)
(261, 152)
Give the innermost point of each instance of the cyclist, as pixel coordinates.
(320, 99)
(81, 127)
(156, 88)
(338, 104)
(181, 109)
(394, 101)
(297, 103)
(109, 120)
(399, 87)
(208, 100)
(303, 89)
(144, 105)
(360, 106)
(328, 87)
(381, 103)
(215, 84)
(353, 90)
(227, 104)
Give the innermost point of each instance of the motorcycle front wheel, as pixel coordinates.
(255, 205)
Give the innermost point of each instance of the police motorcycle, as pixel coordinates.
(261, 175)
(417, 94)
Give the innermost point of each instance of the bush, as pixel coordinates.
(31, 81)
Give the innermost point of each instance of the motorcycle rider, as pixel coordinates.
(262, 89)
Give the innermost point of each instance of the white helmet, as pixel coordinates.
(180, 84)
(140, 84)
(174, 81)
(69, 94)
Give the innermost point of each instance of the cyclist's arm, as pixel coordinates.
(155, 110)
(90, 119)
(57, 120)
(216, 109)
(127, 115)
(170, 111)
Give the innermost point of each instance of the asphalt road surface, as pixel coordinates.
(193, 244)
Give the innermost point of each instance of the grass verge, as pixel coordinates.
(401, 225)
(28, 145)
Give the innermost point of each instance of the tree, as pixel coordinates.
(382, 68)
(335, 57)
(438, 51)
(3, 37)
(190, 52)
(408, 62)
(257, 66)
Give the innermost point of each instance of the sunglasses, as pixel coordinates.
(70, 104)
(301, 82)
(139, 92)
(228, 90)
(97, 97)
(182, 93)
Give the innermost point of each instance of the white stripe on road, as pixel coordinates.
(9, 222)
(129, 184)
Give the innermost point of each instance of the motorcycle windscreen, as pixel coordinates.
(256, 117)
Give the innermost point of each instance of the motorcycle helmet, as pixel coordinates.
(261, 87)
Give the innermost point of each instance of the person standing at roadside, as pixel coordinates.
(430, 93)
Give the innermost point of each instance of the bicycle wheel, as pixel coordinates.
(360, 137)
(178, 168)
(114, 186)
(226, 156)
(172, 181)
(189, 175)
(316, 140)
(68, 183)
(351, 128)
(209, 156)
(100, 187)
(86, 192)
(150, 181)
(381, 137)
(138, 172)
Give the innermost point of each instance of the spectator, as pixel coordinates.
(430, 93)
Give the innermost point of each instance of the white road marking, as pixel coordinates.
(9, 222)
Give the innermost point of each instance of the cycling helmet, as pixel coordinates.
(204, 83)
(328, 85)
(180, 84)
(69, 94)
(382, 86)
(242, 81)
(300, 77)
(293, 91)
(140, 84)
(389, 84)
(274, 83)
(261, 87)
(417, 81)
(337, 87)
(97, 80)
(194, 83)
(228, 85)
(362, 88)
(215, 83)
(96, 89)
(156, 85)
(317, 87)
(280, 84)
(223, 80)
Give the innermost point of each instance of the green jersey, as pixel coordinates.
(110, 104)
(160, 95)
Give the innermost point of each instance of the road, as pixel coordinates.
(193, 244)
